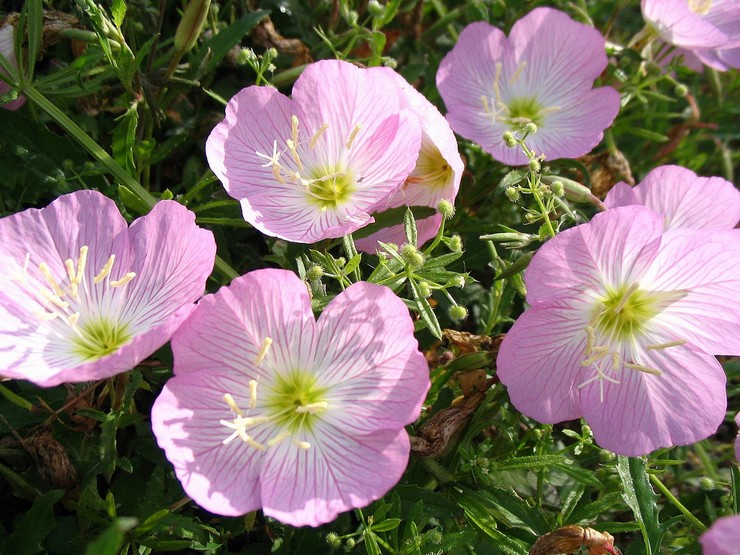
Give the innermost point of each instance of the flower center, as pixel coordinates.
(327, 185)
(294, 405)
(431, 170)
(519, 110)
(620, 319)
(93, 335)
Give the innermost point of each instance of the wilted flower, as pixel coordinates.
(682, 198)
(271, 409)
(315, 166)
(723, 536)
(84, 296)
(7, 49)
(705, 29)
(543, 73)
(622, 317)
(436, 176)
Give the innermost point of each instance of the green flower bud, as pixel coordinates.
(350, 544)
(375, 8)
(387, 61)
(412, 256)
(446, 208)
(455, 243)
(706, 483)
(314, 272)
(681, 90)
(458, 312)
(530, 128)
(558, 189)
(435, 536)
(191, 24)
(424, 289)
(513, 194)
(333, 540)
(510, 140)
(534, 165)
(341, 261)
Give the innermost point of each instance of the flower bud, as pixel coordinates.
(513, 194)
(350, 544)
(314, 272)
(375, 8)
(510, 140)
(333, 540)
(191, 24)
(458, 312)
(446, 208)
(412, 256)
(534, 165)
(387, 61)
(706, 483)
(455, 243)
(681, 90)
(530, 128)
(424, 289)
(558, 189)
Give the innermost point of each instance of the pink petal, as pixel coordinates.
(640, 414)
(685, 200)
(614, 248)
(680, 26)
(337, 473)
(540, 359)
(723, 536)
(223, 479)
(706, 268)
(621, 194)
(368, 355)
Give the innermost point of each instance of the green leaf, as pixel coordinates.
(118, 10)
(640, 497)
(110, 541)
(124, 139)
(35, 25)
(589, 512)
(34, 526)
(132, 201)
(425, 311)
(409, 227)
(386, 525)
(394, 216)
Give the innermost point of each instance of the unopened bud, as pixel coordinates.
(455, 243)
(534, 165)
(350, 544)
(510, 140)
(314, 272)
(531, 128)
(446, 208)
(191, 24)
(375, 8)
(706, 483)
(513, 194)
(333, 540)
(412, 256)
(424, 289)
(387, 61)
(458, 312)
(558, 189)
(681, 90)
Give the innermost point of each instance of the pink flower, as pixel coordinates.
(706, 29)
(543, 73)
(723, 536)
(622, 317)
(436, 176)
(315, 167)
(682, 198)
(84, 296)
(7, 49)
(271, 409)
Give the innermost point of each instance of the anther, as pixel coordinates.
(642, 368)
(294, 128)
(278, 438)
(302, 444)
(81, 263)
(44, 269)
(124, 280)
(518, 72)
(661, 346)
(53, 298)
(294, 153)
(252, 394)
(232, 404)
(266, 343)
(353, 135)
(105, 272)
(312, 408)
(496, 79)
(317, 135)
(73, 319)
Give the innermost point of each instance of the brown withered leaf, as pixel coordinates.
(266, 36)
(472, 381)
(438, 434)
(570, 539)
(51, 458)
(469, 342)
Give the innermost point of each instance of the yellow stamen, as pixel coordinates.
(312, 408)
(266, 343)
(642, 368)
(72, 320)
(105, 272)
(124, 280)
(353, 135)
(303, 445)
(81, 263)
(278, 438)
(518, 72)
(294, 153)
(53, 298)
(661, 346)
(252, 394)
(232, 404)
(44, 269)
(294, 128)
(317, 135)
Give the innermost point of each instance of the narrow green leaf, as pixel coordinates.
(386, 525)
(590, 511)
(35, 24)
(409, 227)
(640, 497)
(735, 477)
(118, 11)
(531, 462)
(110, 541)
(425, 311)
(124, 139)
(353, 264)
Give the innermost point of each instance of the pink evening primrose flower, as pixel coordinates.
(542, 73)
(84, 296)
(436, 176)
(314, 166)
(7, 49)
(272, 409)
(682, 198)
(621, 322)
(705, 29)
(723, 537)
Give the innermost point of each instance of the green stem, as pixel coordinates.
(95, 150)
(545, 213)
(676, 503)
